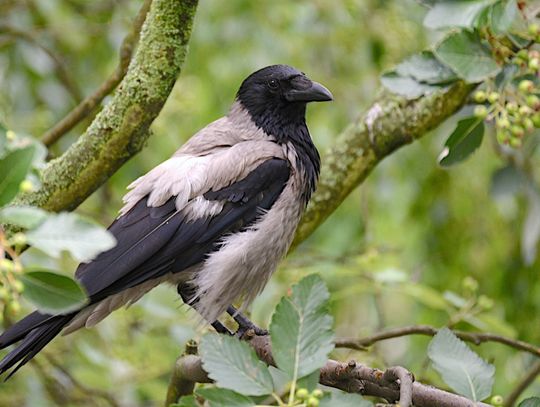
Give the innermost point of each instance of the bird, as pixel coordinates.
(214, 220)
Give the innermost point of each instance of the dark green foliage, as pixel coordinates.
(51, 292)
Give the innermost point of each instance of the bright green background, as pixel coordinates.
(410, 233)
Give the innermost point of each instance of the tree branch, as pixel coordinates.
(350, 377)
(84, 108)
(475, 337)
(120, 130)
(184, 378)
(529, 379)
(389, 124)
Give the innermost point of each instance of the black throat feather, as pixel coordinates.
(287, 124)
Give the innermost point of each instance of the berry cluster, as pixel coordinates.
(10, 288)
(10, 269)
(309, 399)
(516, 110)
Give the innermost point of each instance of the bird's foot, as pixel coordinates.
(245, 326)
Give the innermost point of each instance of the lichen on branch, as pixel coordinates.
(389, 124)
(121, 129)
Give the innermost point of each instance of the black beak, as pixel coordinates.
(315, 93)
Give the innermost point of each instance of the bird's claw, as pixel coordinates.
(246, 328)
(249, 331)
(244, 324)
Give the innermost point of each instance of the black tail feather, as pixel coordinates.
(34, 340)
(21, 328)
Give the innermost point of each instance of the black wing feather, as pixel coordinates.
(151, 243)
(162, 240)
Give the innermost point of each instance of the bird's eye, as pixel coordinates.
(273, 84)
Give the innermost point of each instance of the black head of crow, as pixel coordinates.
(214, 219)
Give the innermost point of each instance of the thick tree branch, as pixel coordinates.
(389, 124)
(120, 130)
(350, 377)
(84, 108)
(475, 337)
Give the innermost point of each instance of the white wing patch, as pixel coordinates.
(190, 176)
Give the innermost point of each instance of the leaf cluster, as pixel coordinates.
(50, 291)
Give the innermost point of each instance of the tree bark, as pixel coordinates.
(121, 129)
(389, 124)
(350, 377)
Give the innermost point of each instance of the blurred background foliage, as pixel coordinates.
(415, 244)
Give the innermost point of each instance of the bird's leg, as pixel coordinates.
(244, 324)
(220, 328)
(186, 293)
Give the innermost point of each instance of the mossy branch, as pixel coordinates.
(389, 124)
(121, 129)
(91, 102)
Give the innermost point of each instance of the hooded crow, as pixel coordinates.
(214, 219)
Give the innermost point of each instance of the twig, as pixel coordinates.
(475, 337)
(121, 129)
(350, 377)
(59, 65)
(529, 378)
(87, 391)
(183, 379)
(406, 380)
(62, 394)
(84, 108)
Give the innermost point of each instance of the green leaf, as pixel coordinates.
(186, 401)
(531, 227)
(530, 402)
(455, 13)
(301, 329)
(280, 379)
(3, 140)
(507, 74)
(507, 180)
(461, 368)
(406, 86)
(342, 399)
(465, 54)
(217, 397)
(418, 75)
(425, 68)
(52, 293)
(428, 3)
(27, 217)
(68, 231)
(234, 365)
(463, 141)
(503, 16)
(13, 169)
(491, 323)
(518, 40)
(309, 382)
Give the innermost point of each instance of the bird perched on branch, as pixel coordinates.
(214, 219)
